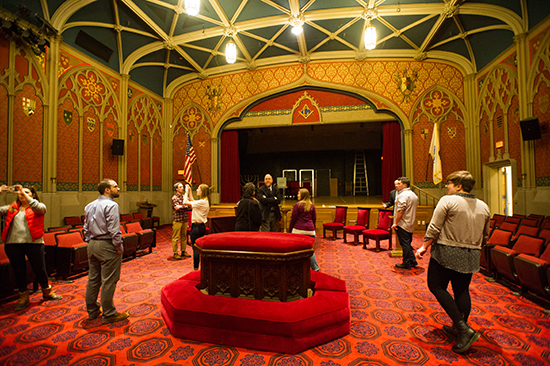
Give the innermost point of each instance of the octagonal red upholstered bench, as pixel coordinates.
(279, 326)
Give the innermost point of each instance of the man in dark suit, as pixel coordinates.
(270, 199)
(391, 202)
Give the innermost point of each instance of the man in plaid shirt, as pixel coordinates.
(179, 222)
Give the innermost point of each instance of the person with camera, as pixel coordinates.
(23, 237)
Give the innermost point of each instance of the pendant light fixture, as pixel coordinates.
(370, 30)
(192, 7)
(231, 52)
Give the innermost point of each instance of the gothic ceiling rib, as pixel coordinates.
(158, 44)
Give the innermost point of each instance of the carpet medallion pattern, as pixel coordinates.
(395, 320)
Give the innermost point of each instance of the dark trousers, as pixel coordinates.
(438, 281)
(405, 239)
(197, 231)
(35, 253)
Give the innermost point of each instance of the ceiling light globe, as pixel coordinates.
(370, 38)
(192, 7)
(297, 29)
(231, 52)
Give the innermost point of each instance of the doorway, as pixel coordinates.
(499, 186)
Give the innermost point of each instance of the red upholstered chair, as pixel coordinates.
(59, 228)
(545, 234)
(514, 219)
(292, 189)
(363, 216)
(72, 254)
(6, 274)
(530, 221)
(524, 229)
(382, 231)
(498, 237)
(79, 230)
(146, 222)
(50, 251)
(130, 242)
(545, 224)
(518, 215)
(338, 223)
(492, 223)
(534, 273)
(502, 258)
(509, 226)
(499, 219)
(124, 218)
(146, 236)
(73, 221)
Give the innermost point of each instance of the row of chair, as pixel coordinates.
(381, 232)
(532, 220)
(146, 222)
(66, 251)
(521, 259)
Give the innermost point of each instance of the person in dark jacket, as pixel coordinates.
(391, 202)
(270, 199)
(249, 216)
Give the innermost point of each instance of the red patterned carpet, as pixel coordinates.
(395, 321)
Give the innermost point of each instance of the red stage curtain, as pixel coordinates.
(391, 151)
(230, 182)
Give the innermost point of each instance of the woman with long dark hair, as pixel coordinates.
(249, 215)
(303, 220)
(23, 237)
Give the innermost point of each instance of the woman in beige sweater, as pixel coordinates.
(458, 229)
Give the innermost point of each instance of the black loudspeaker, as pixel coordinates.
(323, 182)
(118, 147)
(530, 129)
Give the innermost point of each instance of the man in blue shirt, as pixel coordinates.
(102, 233)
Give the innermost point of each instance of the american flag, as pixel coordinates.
(190, 158)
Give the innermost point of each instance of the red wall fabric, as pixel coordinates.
(391, 152)
(230, 190)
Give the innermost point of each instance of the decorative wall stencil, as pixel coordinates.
(437, 104)
(67, 117)
(192, 117)
(406, 83)
(29, 106)
(306, 110)
(451, 131)
(86, 96)
(92, 88)
(90, 123)
(144, 118)
(214, 101)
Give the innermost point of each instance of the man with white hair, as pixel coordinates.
(270, 199)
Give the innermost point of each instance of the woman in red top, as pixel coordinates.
(22, 236)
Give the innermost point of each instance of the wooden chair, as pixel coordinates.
(363, 216)
(338, 223)
(382, 232)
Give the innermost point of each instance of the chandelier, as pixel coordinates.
(370, 30)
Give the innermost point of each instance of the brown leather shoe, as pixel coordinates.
(115, 318)
(185, 254)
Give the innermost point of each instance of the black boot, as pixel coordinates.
(450, 332)
(466, 336)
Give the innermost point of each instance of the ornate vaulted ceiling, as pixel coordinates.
(158, 44)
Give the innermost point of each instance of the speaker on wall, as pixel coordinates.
(530, 129)
(118, 147)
